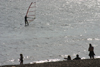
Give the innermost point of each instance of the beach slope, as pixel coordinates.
(72, 63)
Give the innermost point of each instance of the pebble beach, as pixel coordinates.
(71, 63)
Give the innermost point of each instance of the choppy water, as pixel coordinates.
(61, 28)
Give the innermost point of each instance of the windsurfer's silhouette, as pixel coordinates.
(26, 22)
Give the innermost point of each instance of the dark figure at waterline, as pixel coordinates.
(77, 57)
(21, 59)
(68, 58)
(91, 51)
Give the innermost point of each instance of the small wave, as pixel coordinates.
(43, 61)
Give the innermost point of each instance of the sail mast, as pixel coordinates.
(29, 8)
(31, 12)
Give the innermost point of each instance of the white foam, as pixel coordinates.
(43, 61)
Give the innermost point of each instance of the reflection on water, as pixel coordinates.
(90, 39)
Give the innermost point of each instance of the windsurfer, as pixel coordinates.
(26, 22)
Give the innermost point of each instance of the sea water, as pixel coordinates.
(61, 28)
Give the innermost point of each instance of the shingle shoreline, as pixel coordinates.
(72, 63)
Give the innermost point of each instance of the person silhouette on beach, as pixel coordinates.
(26, 22)
(91, 51)
(21, 59)
(77, 57)
(68, 58)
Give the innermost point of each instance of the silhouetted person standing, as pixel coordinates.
(77, 57)
(21, 59)
(91, 51)
(26, 22)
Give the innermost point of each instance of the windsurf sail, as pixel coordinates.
(31, 12)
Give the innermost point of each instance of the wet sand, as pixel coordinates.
(71, 63)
